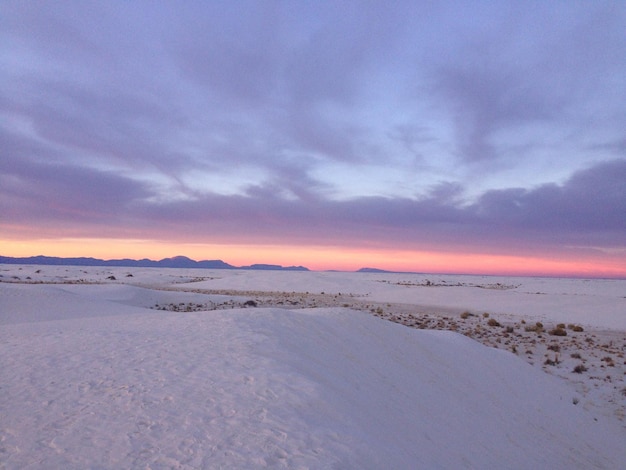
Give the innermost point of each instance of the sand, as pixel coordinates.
(167, 368)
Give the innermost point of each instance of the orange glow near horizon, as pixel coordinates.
(319, 258)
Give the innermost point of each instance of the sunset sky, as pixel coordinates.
(447, 136)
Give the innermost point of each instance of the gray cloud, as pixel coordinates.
(540, 66)
(591, 201)
(586, 210)
(68, 199)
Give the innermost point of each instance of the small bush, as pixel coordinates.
(550, 362)
(465, 315)
(537, 327)
(493, 322)
(485, 315)
(554, 347)
(558, 332)
(576, 328)
(575, 356)
(609, 361)
(580, 368)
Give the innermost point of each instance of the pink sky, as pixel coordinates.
(327, 258)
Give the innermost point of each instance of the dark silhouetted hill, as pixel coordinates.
(175, 262)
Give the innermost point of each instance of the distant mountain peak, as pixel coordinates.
(372, 270)
(178, 258)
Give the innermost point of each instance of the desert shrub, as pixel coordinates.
(554, 347)
(575, 356)
(493, 322)
(580, 368)
(561, 325)
(609, 361)
(538, 327)
(465, 315)
(576, 328)
(558, 332)
(552, 362)
(485, 315)
(510, 329)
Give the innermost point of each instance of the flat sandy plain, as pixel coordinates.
(174, 368)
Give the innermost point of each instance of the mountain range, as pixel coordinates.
(175, 262)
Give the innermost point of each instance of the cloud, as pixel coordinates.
(592, 200)
(41, 192)
(265, 84)
(528, 67)
(586, 210)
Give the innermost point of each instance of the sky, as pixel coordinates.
(448, 136)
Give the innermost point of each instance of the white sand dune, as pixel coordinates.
(93, 378)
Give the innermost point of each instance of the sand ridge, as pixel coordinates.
(591, 360)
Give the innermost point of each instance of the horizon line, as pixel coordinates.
(278, 267)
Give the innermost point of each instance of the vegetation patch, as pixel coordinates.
(558, 331)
